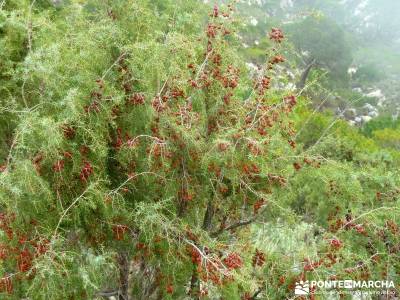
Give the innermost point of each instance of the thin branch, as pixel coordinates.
(130, 178)
(66, 211)
(368, 213)
(163, 87)
(107, 294)
(257, 293)
(113, 65)
(311, 115)
(234, 226)
(147, 136)
(23, 92)
(29, 25)
(203, 65)
(261, 196)
(223, 271)
(9, 157)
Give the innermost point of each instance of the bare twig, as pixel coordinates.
(222, 270)
(107, 294)
(203, 65)
(29, 25)
(368, 213)
(234, 226)
(14, 142)
(67, 210)
(129, 179)
(113, 65)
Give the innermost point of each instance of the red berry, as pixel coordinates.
(223, 146)
(169, 289)
(277, 59)
(69, 132)
(233, 261)
(360, 229)
(6, 284)
(211, 30)
(276, 35)
(258, 259)
(196, 256)
(291, 100)
(119, 231)
(58, 166)
(136, 99)
(68, 154)
(297, 166)
(215, 11)
(335, 243)
(24, 261)
(256, 207)
(86, 171)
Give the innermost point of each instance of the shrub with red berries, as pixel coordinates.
(144, 158)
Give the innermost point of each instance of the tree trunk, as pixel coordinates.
(194, 285)
(123, 263)
(208, 216)
(302, 83)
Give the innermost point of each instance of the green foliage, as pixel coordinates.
(369, 74)
(325, 42)
(333, 136)
(141, 158)
(355, 99)
(379, 123)
(388, 138)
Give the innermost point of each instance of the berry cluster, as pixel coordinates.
(23, 252)
(119, 231)
(86, 171)
(276, 35)
(258, 259)
(233, 261)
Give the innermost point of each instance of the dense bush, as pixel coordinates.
(141, 159)
(379, 123)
